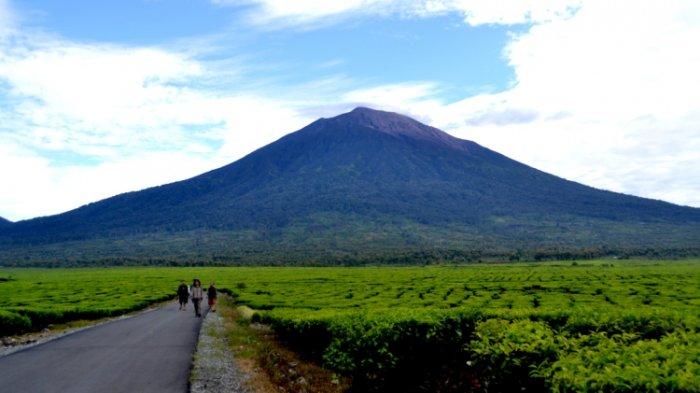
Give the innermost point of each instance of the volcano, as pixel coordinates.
(363, 185)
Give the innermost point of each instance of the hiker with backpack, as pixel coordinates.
(197, 296)
(183, 295)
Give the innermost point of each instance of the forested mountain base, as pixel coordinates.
(328, 259)
(385, 247)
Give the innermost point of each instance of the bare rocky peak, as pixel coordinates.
(395, 124)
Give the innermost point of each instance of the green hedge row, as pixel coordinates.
(19, 320)
(470, 350)
(11, 323)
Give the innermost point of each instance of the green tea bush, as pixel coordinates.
(13, 323)
(598, 363)
(647, 324)
(467, 350)
(310, 335)
(508, 352)
(381, 350)
(401, 351)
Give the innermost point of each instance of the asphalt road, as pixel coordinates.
(150, 352)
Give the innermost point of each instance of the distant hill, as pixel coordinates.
(367, 185)
(5, 222)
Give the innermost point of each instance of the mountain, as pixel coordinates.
(366, 184)
(4, 222)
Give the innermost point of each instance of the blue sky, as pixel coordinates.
(128, 21)
(100, 98)
(442, 49)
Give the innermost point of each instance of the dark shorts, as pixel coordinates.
(212, 301)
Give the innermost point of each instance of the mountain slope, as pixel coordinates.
(4, 222)
(363, 181)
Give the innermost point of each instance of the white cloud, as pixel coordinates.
(300, 12)
(100, 94)
(33, 186)
(256, 121)
(81, 122)
(479, 12)
(314, 13)
(608, 97)
(415, 99)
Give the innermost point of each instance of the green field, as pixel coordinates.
(603, 325)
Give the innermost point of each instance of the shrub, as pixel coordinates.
(13, 323)
(508, 352)
(647, 325)
(388, 351)
(598, 363)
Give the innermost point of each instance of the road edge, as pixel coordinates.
(214, 368)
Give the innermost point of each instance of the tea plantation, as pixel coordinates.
(602, 325)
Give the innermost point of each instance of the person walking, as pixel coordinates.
(211, 294)
(183, 295)
(197, 296)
